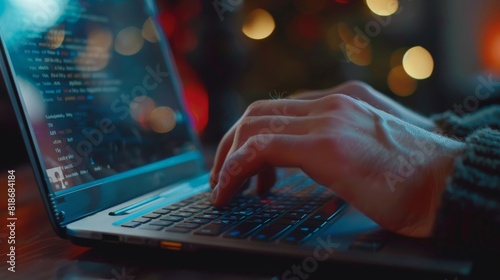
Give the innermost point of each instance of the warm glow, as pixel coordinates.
(358, 54)
(259, 25)
(490, 50)
(129, 41)
(141, 108)
(162, 119)
(55, 37)
(397, 57)
(383, 7)
(149, 31)
(96, 54)
(400, 83)
(418, 63)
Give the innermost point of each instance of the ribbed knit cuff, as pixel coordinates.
(452, 124)
(468, 221)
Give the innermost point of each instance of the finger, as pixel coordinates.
(257, 125)
(257, 153)
(266, 179)
(220, 155)
(281, 107)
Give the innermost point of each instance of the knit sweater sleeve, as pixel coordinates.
(468, 221)
(459, 126)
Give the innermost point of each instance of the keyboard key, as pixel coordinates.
(151, 227)
(266, 215)
(299, 234)
(215, 212)
(141, 220)
(161, 211)
(285, 221)
(242, 230)
(181, 203)
(294, 215)
(313, 223)
(178, 230)
(206, 216)
(258, 220)
(270, 232)
(181, 214)
(235, 217)
(329, 210)
(187, 225)
(152, 216)
(215, 228)
(198, 221)
(131, 224)
(189, 210)
(171, 218)
(171, 208)
(161, 223)
(201, 206)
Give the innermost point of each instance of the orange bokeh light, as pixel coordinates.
(490, 49)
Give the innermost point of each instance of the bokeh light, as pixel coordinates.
(490, 50)
(400, 83)
(418, 63)
(149, 31)
(162, 119)
(259, 24)
(140, 109)
(129, 41)
(96, 55)
(359, 54)
(55, 37)
(383, 7)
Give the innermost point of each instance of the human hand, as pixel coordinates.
(391, 170)
(365, 92)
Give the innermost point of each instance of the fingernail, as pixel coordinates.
(215, 193)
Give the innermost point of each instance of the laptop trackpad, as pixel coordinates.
(347, 228)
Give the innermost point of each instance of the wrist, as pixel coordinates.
(442, 169)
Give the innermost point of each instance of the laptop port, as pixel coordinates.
(110, 237)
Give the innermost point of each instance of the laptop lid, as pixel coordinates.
(98, 100)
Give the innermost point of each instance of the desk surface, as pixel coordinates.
(40, 254)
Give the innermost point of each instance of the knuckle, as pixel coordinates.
(240, 131)
(357, 85)
(254, 108)
(337, 101)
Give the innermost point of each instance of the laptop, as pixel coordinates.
(117, 159)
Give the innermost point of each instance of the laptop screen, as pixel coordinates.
(100, 99)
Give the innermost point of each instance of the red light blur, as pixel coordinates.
(490, 49)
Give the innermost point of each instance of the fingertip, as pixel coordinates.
(213, 180)
(215, 195)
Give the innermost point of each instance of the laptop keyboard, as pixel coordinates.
(295, 210)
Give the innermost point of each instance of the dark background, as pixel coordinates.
(223, 70)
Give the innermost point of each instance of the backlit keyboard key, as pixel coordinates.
(270, 232)
(242, 230)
